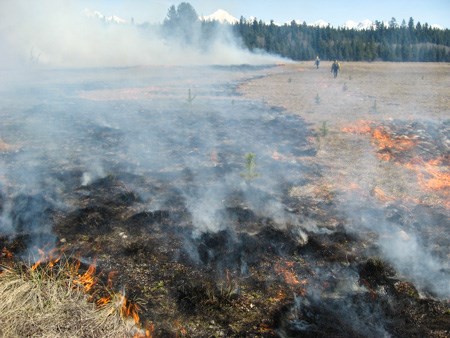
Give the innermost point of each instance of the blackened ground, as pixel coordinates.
(231, 283)
(161, 196)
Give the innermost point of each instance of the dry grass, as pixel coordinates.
(398, 90)
(46, 302)
(363, 93)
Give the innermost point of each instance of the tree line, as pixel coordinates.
(391, 42)
(403, 42)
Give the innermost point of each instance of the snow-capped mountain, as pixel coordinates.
(437, 27)
(108, 19)
(221, 16)
(319, 23)
(365, 24)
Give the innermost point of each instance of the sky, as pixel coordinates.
(60, 33)
(282, 11)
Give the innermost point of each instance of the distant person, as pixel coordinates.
(317, 62)
(335, 68)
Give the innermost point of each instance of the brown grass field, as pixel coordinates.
(401, 91)
(363, 93)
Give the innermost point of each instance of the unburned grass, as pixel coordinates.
(46, 302)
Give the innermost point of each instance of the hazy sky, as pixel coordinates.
(281, 11)
(59, 33)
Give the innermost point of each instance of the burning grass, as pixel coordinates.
(50, 300)
(433, 175)
(416, 146)
(210, 242)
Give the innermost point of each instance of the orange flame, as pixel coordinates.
(51, 258)
(86, 280)
(385, 142)
(381, 195)
(6, 253)
(433, 175)
(129, 309)
(103, 301)
(290, 277)
(111, 276)
(147, 333)
(360, 127)
(38, 262)
(280, 295)
(438, 179)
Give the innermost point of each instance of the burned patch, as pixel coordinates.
(32, 213)
(217, 216)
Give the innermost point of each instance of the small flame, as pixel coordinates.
(147, 332)
(6, 253)
(128, 309)
(381, 195)
(388, 144)
(51, 258)
(433, 175)
(111, 276)
(280, 295)
(86, 280)
(103, 301)
(360, 127)
(437, 179)
(285, 269)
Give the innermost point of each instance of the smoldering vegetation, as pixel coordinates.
(209, 210)
(206, 207)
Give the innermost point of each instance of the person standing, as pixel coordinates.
(335, 68)
(317, 62)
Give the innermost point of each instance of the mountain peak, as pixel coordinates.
(320, 23)
(108, 19)
(220, 15)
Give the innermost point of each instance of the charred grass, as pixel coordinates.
(317, 271)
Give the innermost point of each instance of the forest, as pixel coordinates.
(392, 41)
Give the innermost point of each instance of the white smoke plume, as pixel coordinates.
(58, 34)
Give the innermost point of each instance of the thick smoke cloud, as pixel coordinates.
(58, 34)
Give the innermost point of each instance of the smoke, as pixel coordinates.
(59, 34)
(400, 232)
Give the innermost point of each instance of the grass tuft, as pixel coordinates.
(48, 302)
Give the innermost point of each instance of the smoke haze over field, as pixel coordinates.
(57, 34)
(124, 143)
